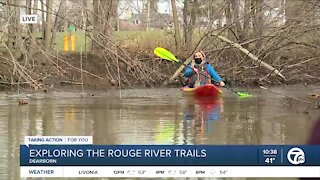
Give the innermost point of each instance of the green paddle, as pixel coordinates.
(167, 55)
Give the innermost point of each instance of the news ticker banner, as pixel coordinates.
(170, 171)
(52, 156)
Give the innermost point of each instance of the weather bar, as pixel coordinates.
(171, 171)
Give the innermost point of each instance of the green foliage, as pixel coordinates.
(143, 40)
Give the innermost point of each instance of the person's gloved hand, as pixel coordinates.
(195, 70)
(222, 84)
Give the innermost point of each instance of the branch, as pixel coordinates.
(252, 56)
(300, 100)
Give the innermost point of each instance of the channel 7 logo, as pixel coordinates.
(296, 156)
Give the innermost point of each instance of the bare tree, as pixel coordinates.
(176, 25)
(246, 22)
(28, 11)
(84, 14)
(57, 22)
(34, 28)
(18, 44)
(257, 15)
(293, 11)
(48, 25)
(31, 27)
(189, 17)
(235, 4)
(104, 18)
(247, 40)
(228, 16)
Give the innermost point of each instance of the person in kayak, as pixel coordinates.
(200, 66)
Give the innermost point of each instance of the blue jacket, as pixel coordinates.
(214, 75)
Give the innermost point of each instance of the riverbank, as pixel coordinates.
(94, 71)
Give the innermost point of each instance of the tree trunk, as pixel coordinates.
(185, 19)
(19, 45)
(253, 14)
(115, 14)
(176, 25)
(35, 12)
(189, 22)
(246, 22)
(282, 9)
(48, 26)
(104, 19)
(95, 23)
(65, 14)
(58, 16)
(148, 15)
(28, 11)
(257, 16)
(55, 27)
(11, 27)
(85, 24)
(235, 7)
(85, 15)
(260, 23)
(32, 27)
(149, 12)
(293, 11)
(105, 12)
(229, 19)
(192, 24)
(153, 6)
(43, 19)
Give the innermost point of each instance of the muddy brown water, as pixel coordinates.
(153, 116)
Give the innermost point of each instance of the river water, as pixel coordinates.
(153, 116)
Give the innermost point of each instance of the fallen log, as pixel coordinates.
(236, 45)
(252, 56)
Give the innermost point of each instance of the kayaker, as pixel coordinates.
(199, 66)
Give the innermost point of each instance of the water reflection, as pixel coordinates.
(166, 118)
(199, 117)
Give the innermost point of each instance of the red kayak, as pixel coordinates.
(207, 90)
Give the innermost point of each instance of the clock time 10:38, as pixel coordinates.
(270, 155)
